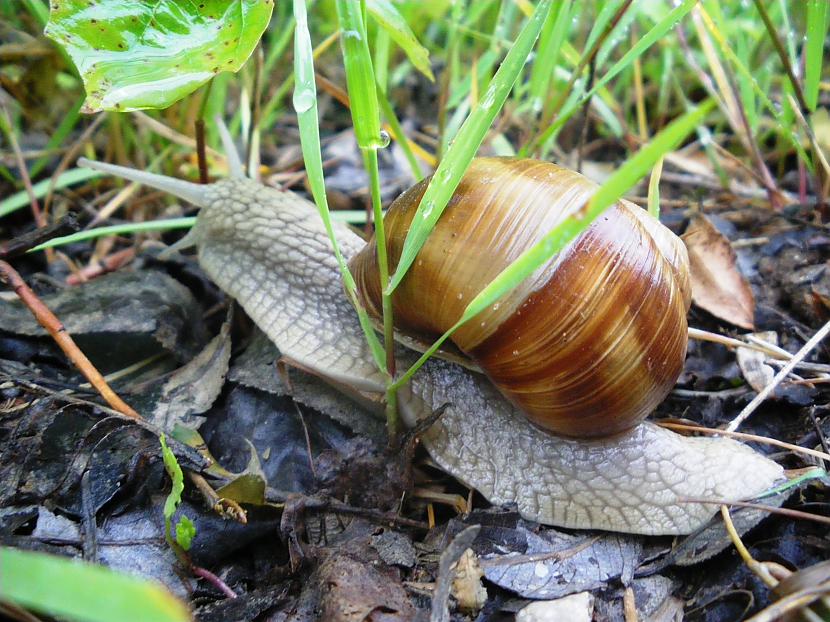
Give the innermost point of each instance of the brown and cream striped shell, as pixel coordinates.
(591, 342)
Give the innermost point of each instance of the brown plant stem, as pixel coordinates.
(56, 329)
(201, 155)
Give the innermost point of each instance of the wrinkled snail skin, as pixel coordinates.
(269, 251)
(587, 347)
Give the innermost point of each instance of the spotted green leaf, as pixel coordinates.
(135, 54)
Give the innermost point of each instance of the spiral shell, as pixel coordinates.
(592, 341)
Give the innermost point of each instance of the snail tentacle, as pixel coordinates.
(185, 190)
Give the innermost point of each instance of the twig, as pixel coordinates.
(172, 135)
(201, 156)
(779, 377)
(745, 437)
(215, 581)
(40, 220)
(825, 520)
(791, 602)
(226, 508)
(322, 504)
(754, 565)
(110, 263)
(68, 158)
(443, 583)
(22, 243)
(56, 329)
(630, 605)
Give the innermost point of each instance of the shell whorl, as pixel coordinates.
(593, 341)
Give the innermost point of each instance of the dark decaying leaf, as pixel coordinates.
(653, 596)
(277, 432)
(257, 367)
(192, 389)
(554, 564)
(49, 447)
(352, 584)
(120, 318)
(394, 548)
(446, 572)
(248, 606)
(708, 542)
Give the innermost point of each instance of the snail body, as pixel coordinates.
(270, 251)
(592, 343)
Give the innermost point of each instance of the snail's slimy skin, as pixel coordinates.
(269, 251)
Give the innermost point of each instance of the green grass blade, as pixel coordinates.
(656, 33)
(305, 104)
(814, 52)
(360, 76)
(388, 18)
(68, 178)
(467, 142)
(126, 229)
(550, 44)
(399, 135)
(39, 10)
(71, 589)
(58, 136)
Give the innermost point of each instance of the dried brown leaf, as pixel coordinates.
(717, 284)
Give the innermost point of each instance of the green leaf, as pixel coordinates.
(185, 529)
(388, 18)
(134, 55)
(171, 465)
(185, 532)
(467, 142)
(75, 590)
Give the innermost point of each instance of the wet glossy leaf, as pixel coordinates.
(137, 54)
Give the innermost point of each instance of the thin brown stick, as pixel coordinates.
(37, 214)
(683, 427)
(215, 581)
(782, 54)
(69, 157)
(201, 155)
(109, 263)
(56, 329)
(760, 506)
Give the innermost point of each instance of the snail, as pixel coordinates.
(269, 250)
(608, 312)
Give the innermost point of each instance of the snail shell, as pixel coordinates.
(588, 345)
